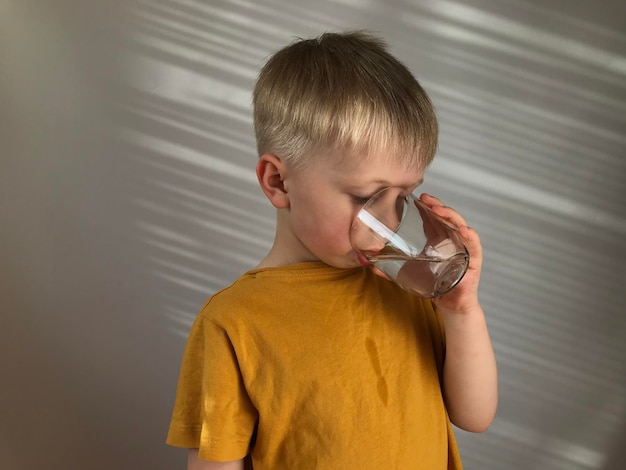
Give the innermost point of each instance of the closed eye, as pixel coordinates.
(359, 200)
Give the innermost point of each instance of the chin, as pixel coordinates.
(342, 262)
(355, 260)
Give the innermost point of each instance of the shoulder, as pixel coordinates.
(231, 301)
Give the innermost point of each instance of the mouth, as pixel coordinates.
(363, 261)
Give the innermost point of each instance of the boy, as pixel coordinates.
(311, 360)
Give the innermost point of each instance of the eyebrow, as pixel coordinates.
(386, 183)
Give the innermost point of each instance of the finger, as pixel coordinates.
(378, 272)
(469, 234)
(430, 200)
(450, 215)
(437, 206)
(471, 239)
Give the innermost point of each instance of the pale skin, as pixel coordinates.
(316, 205)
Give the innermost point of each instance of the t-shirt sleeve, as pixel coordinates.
(212, 411)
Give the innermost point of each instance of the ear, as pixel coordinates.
(270, 171)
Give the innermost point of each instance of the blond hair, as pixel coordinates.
(342, 92)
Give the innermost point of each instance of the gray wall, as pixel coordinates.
(128, 196)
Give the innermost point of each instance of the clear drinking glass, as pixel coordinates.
(409, 243)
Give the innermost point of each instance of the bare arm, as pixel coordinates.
(195, 463)
(470, 381)
(470, 377)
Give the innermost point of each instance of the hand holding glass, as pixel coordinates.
(409, 243)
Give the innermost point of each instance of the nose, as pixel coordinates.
(372, 244)
(366, 240)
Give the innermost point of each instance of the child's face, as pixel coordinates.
(325, 196)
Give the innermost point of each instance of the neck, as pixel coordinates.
(287, 248)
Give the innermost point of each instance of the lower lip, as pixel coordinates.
(362, 259)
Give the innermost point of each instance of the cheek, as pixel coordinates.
(337, 226)
(329, 224)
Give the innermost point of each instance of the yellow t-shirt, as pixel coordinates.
(313, 367)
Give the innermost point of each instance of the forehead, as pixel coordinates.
(382, 169)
